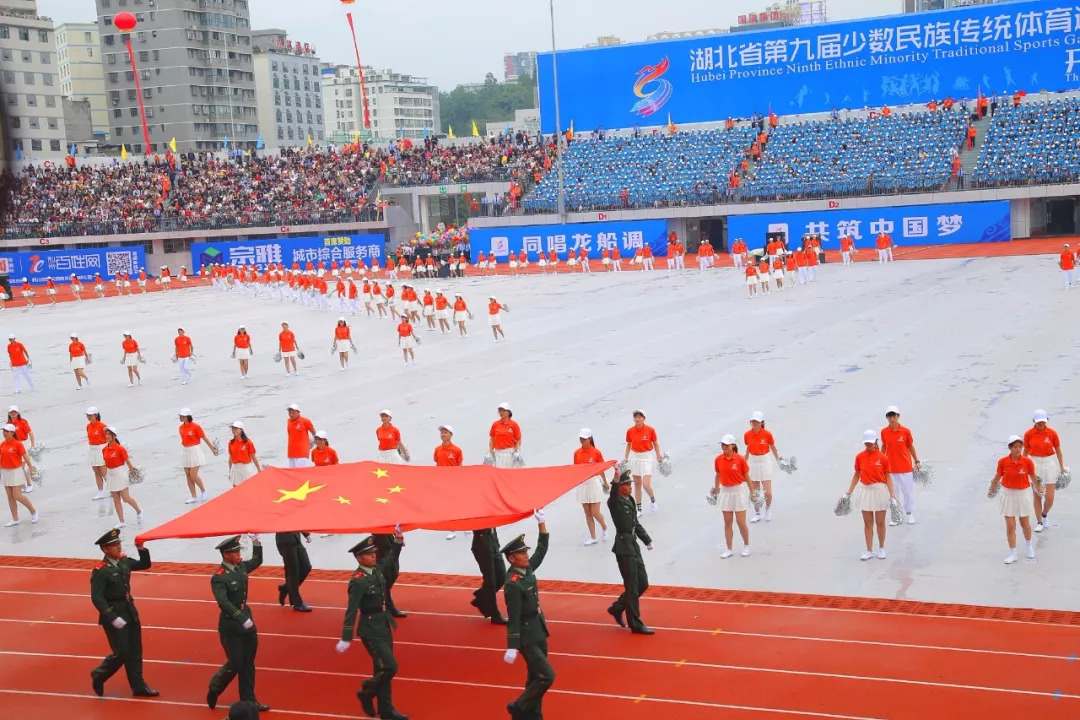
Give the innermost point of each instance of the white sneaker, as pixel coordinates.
(745, 551)
(101, 495)
(1030, 554)
(640, 512)
(756, 518)
(893, 523)
(131, 384)
(910, 519)
(590, 541)
(604, 536)
(866, 555)
(451, 535)
(139, 518)
(768, 515)
(726, 554)
(34, 518)
(28, 489)
(11, 523)
(119, 525)
(654, 507)
(1039, 527)
(881, 554)
(1011, 558)
(78, 387)
(202, 497)
(191, 501)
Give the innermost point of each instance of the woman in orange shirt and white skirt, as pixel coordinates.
(875, 492)
(79, 359)
(118, 476)
(763, 457)
(13, 458)
(243, 462)
(192, 457)
(591, 492)
(641, 445)
(1017, 475)
(95, 439)
(731, 491)
(504, 439)
(242, 349)
(132, 358)
(342, 342)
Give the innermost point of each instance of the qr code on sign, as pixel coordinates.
(119, 262)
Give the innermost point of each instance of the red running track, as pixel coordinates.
(716, 654)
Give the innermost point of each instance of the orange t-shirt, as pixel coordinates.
(1016, 474)
(459, 305)
(872, 466)
(11, 454)
(183, 346)
(584, 456)
(493, 308)
(1041, 444)
(130, 346)
(758, 443)
(341, 332)
(641, 439)
(732, 470)
(76, 349)
(17, 353)
(1068, 262)
(441, 303)
(324, 456)
(297, 431)
(242, 340)
(191, 434)
(428, 300)
(241, 451)
(287, 340)
(389, 437)
(115, 455)
(95, 432)
(505, 434)
(22, 428)
(751, 270)
(404, 329)
(896, 444)
(448, 455)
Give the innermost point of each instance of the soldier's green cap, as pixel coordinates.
(367, 545)
(229, 545)
(113, 536)
(622, 479)
(515, 545)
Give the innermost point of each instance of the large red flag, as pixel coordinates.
(373, 497)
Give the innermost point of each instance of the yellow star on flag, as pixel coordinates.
(380, 473)
(381, 500)
(300, 493)
(343, 501)
(396, 489)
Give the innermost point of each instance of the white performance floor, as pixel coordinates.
(966, 348)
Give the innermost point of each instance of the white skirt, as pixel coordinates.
(1046, 468)
(239, 472)
(406, 343)
(14, 477)
(131, 359)
(192, 456)
(606, 261)
(289, 354)
(442, 314)
(494, 320)
(243, 353)
(389, 456)
(513, 264)
(762, 467)
(641, 463)
(429, 311)
(1017, 503)
(751, 280)
(116, 479)
(591, 491)
(542, 263)
(460, 316)
(94, 456)
(735, 498)
(78, 363)
(871, 498)
(504, 458)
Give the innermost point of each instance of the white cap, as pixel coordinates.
(447, 428)
(1014, 438)
(455, 295)
(322, 434)
(238, 425)
(186, 411)
(491, 297)
(639, 411)
(505, 406)
(386, 412)
(294, 406)
(892, 409)
(74, 335)
(341, 319)
(13, 408)
(427, 290)
(728, 439)
(1038, 416)
(126, 333)
(439, 291)
(585, 433)
(869, 436)
(758, 416)
(241, 327)
(181, 329)
(113, 430)
(9, 427)
(92, 410)
(11, 336)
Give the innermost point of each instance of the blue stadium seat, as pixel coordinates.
(1035, 143)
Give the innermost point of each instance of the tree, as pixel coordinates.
(494, 102)
(490, 80)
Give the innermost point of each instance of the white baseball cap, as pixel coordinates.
(181, 329)
(238, 425)
(9, 427)
(341, 319)
(321, 434)
(241, 327)
(74, 335)
(728, 439)
(186, 411)
(11, 336)
(491, 297)
(758, 416)
(92, 410)
(386, 412)
(869, 436)
(113, 430)
(505, 406)
(585, 433)
(294, 406)
(447, 428)
(13, 408)
(892, 409)
(125, 334)
(455, 295)
(427, 290)
(639, 411)
(1038, 416)
(1014, 438)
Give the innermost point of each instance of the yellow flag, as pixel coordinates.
(356, 137)
(450, 128)
(309, 141)
(172, 144)
(123, 152)
(475, 130)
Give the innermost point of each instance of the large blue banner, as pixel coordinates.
(562, 239)
(866, 63)
(58, 265)
(321, 248)
(975, 222)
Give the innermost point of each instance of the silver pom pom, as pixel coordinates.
(843, 506)
(664, 466)
(136, 476)
(622, 467)
(142, 361)
(299, 354)
(37, 477)
(174, 359)
(277, 357)
(924, 474)
(788, 464)
(36, 451)
(1064, 479)
(333, 348)
(519, 460)
(489, 459)
(417, 338)
(711, 497)
(404, 453)
(993, 492)
(896, 512)
(757, 499)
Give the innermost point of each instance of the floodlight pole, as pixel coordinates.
(558, 123)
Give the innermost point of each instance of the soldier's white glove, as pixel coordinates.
(510, 656)
(539, 515)
(648, 547)
(342, 646)
(119, 623)
(248, 624)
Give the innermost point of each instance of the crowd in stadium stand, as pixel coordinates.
(1036, 143)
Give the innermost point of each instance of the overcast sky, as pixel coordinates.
(453, 43)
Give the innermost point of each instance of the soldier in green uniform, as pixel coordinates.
(526, 630)
(388, 561)
(110, 591)
(236, 629)
(485, 548)
(368, 595)
(297, 567)
(623, 511)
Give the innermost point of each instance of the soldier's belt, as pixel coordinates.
(367, 613)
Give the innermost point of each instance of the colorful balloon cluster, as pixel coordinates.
(443, 237)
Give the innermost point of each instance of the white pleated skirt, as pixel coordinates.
(494, 320)
(13, 477)
(192, 456)
(591, 491)
(429, 310)
(243, 353)
(641, 463)
(461, 316)
(871, 498)
(131, 359)
(78, 363)
(504, 458)
(239, 472)
(94, 456)
(1017, 503)
(1046, 468)
(406, 343)
(734, 498)
(389, 456)
(116, 479)
(762, 467)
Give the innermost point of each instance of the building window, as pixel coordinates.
(111, 59)
(133, 112)
(46, 58)
(47, 79)
(43, 36)
(35, 145)
(50, 101)
(5, 32)
(144, 56)
(112, 77)
(156, 55)
(27, 56)
(118, 131)
(89, 52)
(281, 133)
(54, 145)
(140, 36)
(117, 113)
(9, 77)
(88, 37)
(16, 122)
(108, 39)
(24, 34)
(51, 122)
(31, 100)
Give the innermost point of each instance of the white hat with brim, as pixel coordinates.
(1014, 438)
(321, 434)
(869, 436)
(294, 406)
(727, 440)
(8, 427)
(892, 409)
(186, 411)
(92, 410)
(238, 425)
(386, 412)
(505, 406)
(447, 428)
(585, 433)
(1039, 416)
(757, 416)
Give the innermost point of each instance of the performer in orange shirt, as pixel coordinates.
(447, 454)
(299, 429)
(79, 359)
(322, 454)
(1067, 263)
(591, 492)
(428, 304)
(243, 462)
(1016, 474)
(504, 439)
(142, 280)
(13, 458)
(50, 290)
(899, 446)
(875, 493)
(406, 340)
(118, 471)
(75, 286)
(616, 259)
(132, 358)
(461, 314)
(1043, 446)
(27, 293)
(605, 258)
(495, 319)
(391, 448)
(192, 457)
(342, 335)
(641, 445)
(183, 355)
(647, 257)
(23, 432)
(763, 276)
(763, 458)
(442, 311)
(242, 350)
(847, 245)
(731, 491)
(164, 278)
(751, 279)
(583, 260)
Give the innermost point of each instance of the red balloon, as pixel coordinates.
(124, 22)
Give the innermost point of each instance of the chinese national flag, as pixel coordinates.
(373, 497)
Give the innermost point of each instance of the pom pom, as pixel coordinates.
(333, 348)
(992, 493)
(711, 497)
(38, 477)
(519, 460)
(924, 474)
(175, 359)
(896, 512)
(404, 453)
(1064, 479)
(788, 464)
(299, 354)
(622, 467)
(142, 360)
(136, 476)
(757, 499)
(277, 357)
(664, 466)
(843, 506)
(36, 451)
(417, 338)
(489, 459)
